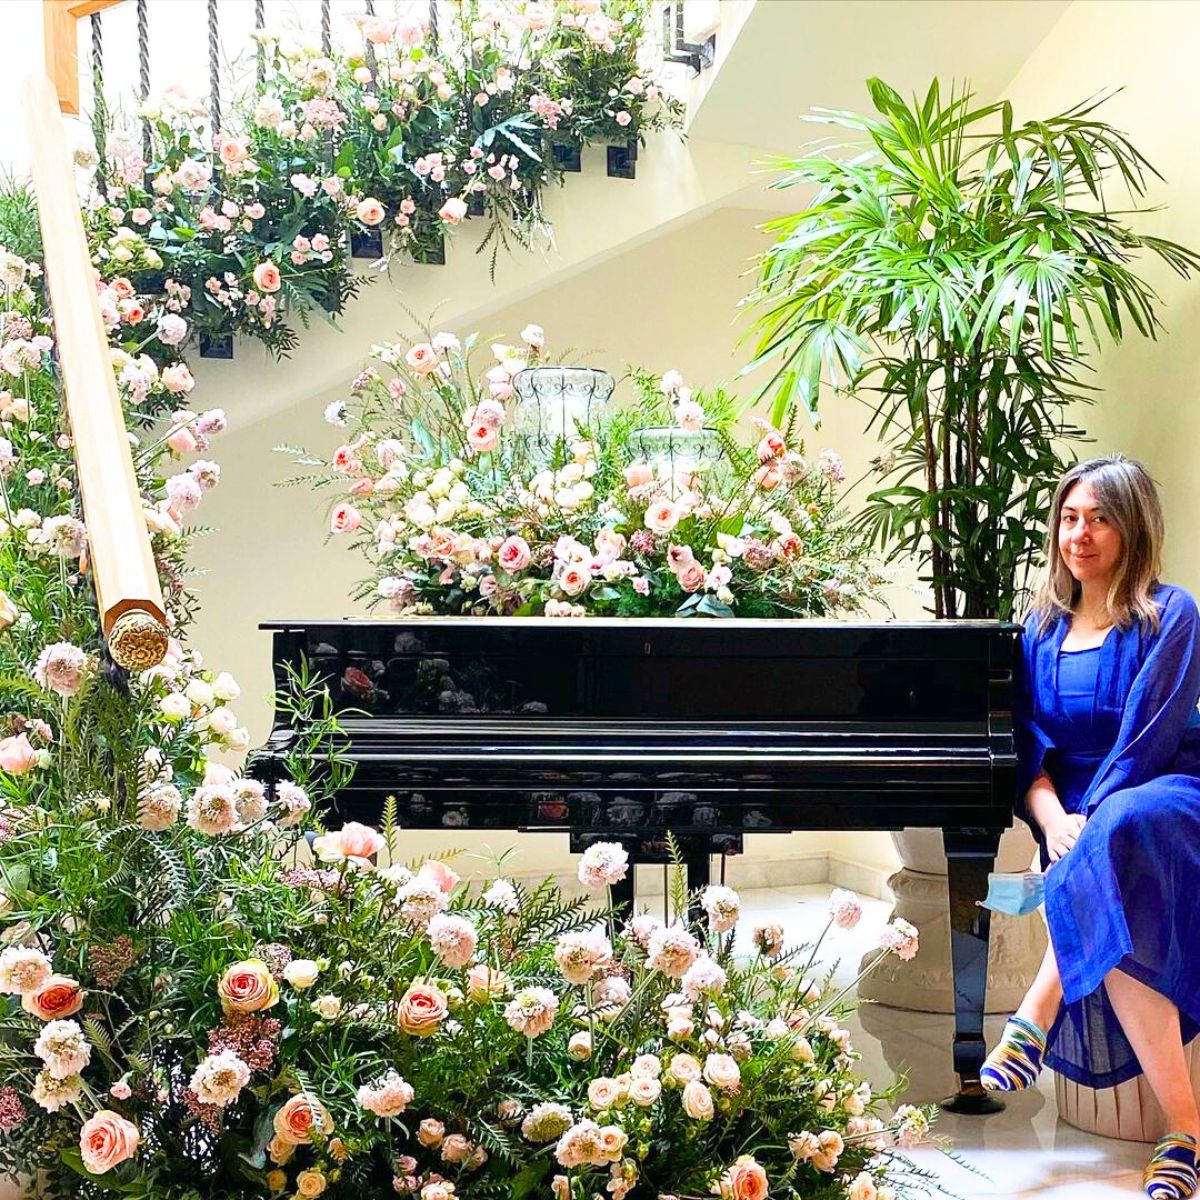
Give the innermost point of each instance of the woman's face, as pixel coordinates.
(1087, 539)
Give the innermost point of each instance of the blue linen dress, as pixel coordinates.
(1116, 729)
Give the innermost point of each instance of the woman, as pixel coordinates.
(1109, 745)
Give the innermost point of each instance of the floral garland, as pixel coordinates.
(404, 137)
(458, 513)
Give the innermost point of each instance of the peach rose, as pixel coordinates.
(310, 1183)
(697, 1101)
(107, 1140)
(248, 987)
(421, 358)
(638, 474)
(60, 996)
(768, 476)
(453, 211)
(482, 438)
(298, 1117)
(436, 871)
(423, 1008)
(353, 843)
(234, 151)
(771, 446)
(344, 518)
(266, 277)
(514, 554)
(369, 211)
(747, 1180)
(430, 1133)
(17, 755)
(574, 580)
(662, 516)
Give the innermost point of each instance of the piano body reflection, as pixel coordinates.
(710, 729)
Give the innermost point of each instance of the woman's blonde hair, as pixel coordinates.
(1124, 490)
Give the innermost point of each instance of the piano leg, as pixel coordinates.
(970, 854)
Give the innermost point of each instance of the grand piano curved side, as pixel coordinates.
(711, 729)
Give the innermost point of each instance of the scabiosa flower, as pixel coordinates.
(546, 1122)
(386, 1097)
(503, 896)
(159, 808)
(66, 536)
(251, 799)
(582, 955)
(672, 950)
(453, 939)
(51, 1093)
(845, 908)
(641, 928)
(63, 1048)
(703, 978)
(60, 668)
(420, 901)
(213, 809)
(913, 1126)
(768, 940)
(293, 803)
(722, 905)
(603, 864)
(900, 938)
(219, 1079)
(532, 1011)
(23, 970)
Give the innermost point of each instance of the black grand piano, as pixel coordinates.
(710, 729)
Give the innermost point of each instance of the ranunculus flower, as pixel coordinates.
(369, 211)
(107, 1140)
(266, 277)
(299, 1115)
(248, 987)
(60, 996)
(344, 518)
(454, 211)
(423, 1008)
(353, 843)
(17, 755)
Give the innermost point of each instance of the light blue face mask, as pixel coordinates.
(1017, 893)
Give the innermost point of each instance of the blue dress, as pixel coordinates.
(1116, 729)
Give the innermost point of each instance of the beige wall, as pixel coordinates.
(669, 303)
(1150, 403)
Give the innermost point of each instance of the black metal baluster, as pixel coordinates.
(215, 345)
(99, 108)
(143, 36)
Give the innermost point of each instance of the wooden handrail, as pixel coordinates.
(61, 37)
(122, 563)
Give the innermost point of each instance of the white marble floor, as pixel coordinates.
(1025, 1151)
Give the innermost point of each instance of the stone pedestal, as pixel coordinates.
(925, 984)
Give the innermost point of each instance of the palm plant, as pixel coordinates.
(954, 274)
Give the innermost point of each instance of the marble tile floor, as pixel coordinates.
(1025, 1151)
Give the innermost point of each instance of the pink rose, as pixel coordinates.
(266, 277)
(679, 557)
(691, 577)
(17, 755)
(430, 1133)
(345, 518)
(515, 554)
(353, 843)
(183, 441)
(574, 580)
(662, 516)
(482, 438)
(107, 1140)
(234, 151)
(369, 211)
(453, 211)
(423, 1008)
(422, 358)
(60, 996)
(768, 476)
(771, 446)
(638, 474)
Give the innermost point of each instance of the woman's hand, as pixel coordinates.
(1062, 831)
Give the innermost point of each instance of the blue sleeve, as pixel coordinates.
(1160, 706)
(1033, 743)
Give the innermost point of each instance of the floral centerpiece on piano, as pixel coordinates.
(469, 492)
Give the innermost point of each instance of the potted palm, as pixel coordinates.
(953, 269)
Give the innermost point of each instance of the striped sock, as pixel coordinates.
(1171, 1171)
(1017, 1061)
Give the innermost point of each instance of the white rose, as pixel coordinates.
(200, 693)
(175, 706)
(301, 973)
(327, 1006)
(225, 687)
(697, 1101)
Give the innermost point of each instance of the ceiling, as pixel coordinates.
(792, 54)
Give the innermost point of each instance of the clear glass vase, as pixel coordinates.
(678, 456)
(558, 405)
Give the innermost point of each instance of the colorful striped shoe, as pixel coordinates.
(1171, 1171)
(1016, 1062)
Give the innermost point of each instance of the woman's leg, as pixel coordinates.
(1044, 998)
(1151, 1023)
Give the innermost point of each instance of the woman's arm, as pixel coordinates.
(1059, 827)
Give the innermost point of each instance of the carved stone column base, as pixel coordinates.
(926, 983)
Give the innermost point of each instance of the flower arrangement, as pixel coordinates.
(250, 225)
(458, 511)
